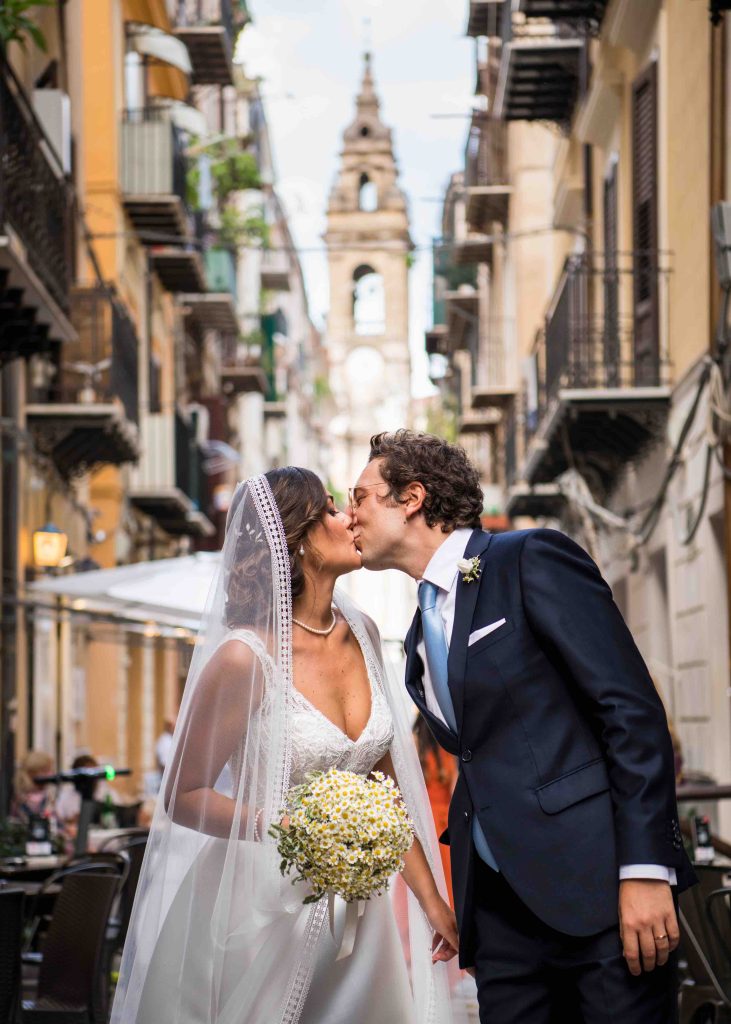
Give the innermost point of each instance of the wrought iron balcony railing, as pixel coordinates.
(102, 365)
(209, 29)
(602, 336)
(36, 200)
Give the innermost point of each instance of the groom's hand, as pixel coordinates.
(648, 923)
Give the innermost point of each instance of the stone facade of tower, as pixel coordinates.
(368, 246)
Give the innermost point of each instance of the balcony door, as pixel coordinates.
(644, 227)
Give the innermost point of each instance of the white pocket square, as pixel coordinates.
(479, 633)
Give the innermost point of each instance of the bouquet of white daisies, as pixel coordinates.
(347, 834)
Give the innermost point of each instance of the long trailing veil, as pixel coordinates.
(217, 936)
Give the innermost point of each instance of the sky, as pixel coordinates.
(308, 54)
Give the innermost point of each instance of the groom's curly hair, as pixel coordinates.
(453, 495)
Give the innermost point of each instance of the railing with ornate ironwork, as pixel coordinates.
(490, 368)
(153, 154)
(603, 329)
(36, 199)
(101, 364)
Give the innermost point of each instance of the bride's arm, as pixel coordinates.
(418, 876)
(229, 690)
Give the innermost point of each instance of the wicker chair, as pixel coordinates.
(72, 980)
(11, 931)
(131, 845)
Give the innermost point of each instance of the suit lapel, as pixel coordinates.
(463, 614)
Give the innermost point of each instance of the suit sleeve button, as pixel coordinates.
(466, 815)
(467, 755)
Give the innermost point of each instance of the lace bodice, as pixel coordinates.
(318, 744)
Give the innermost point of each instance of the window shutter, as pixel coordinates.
(645, 230)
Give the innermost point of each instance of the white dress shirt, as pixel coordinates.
(442, 572)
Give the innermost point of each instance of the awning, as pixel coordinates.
(168, 593)
(153, 42)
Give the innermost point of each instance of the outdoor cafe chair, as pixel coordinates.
(11, 933)
(73, 979)
(705, 925)
(112, 863)
(132, 844)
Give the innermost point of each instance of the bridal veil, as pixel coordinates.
(217, 935)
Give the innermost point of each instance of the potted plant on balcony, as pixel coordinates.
(16, 22)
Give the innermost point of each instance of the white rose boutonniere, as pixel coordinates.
(469, 569)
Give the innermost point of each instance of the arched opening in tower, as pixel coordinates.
(367, 194)
(369, 301)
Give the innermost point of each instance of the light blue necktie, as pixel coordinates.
(437, 657)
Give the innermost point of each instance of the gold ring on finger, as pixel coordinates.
(659, 938)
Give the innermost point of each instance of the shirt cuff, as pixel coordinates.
(654, 871)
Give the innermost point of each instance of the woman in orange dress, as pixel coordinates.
(440, 775)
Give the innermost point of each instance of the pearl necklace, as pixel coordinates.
(319, 632)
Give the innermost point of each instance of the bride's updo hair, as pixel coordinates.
(302, 502)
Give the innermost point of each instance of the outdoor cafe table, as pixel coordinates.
(32, 869)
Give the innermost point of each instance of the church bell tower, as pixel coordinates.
(368, 246)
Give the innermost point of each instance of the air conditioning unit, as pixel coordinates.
(53, 110)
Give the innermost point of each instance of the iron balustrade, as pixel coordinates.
(102, 365)
(195, 13)
(36, 199)
(153, 154)
(485, 155)
(590, 340)
(448, 276)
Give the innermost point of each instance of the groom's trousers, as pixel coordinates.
(527, 973)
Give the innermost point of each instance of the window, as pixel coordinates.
(369, 302)
(367, 194)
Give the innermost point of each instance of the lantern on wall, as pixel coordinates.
(49, 546)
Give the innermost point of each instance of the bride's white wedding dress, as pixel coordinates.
(370, 986)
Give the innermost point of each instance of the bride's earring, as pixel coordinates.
(302, 550)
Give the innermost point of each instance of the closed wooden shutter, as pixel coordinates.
(645, 232)
(612, 348)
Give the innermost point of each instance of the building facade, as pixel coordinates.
(592, 165)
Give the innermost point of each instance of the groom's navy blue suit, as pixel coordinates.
(562, 741)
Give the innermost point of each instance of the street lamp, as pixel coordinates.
(49, 546)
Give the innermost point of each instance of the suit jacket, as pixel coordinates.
(563, 744)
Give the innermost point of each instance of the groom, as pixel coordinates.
(563, 827)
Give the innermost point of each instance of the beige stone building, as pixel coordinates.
(591, 169)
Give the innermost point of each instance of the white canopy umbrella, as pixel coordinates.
(168, 592)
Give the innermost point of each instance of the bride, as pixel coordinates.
(287, 677)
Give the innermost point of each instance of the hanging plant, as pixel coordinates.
(234, 171)
(238, 228)
(16, 24)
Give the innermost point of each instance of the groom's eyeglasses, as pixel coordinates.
(356, 495)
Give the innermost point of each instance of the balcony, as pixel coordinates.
(602, 381)
(153, 177)
(485, 422)
(275, 270)
(213, 308)
(88, 417)
(540, 69)
(462, 308)
(491, 386)
(179, 269)
(488, 193)
(436, 340)
(208, 29)
(586, 12)
(36, 231)
(484, 18)
(171, 484)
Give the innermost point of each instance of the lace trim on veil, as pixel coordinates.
(282, 576)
